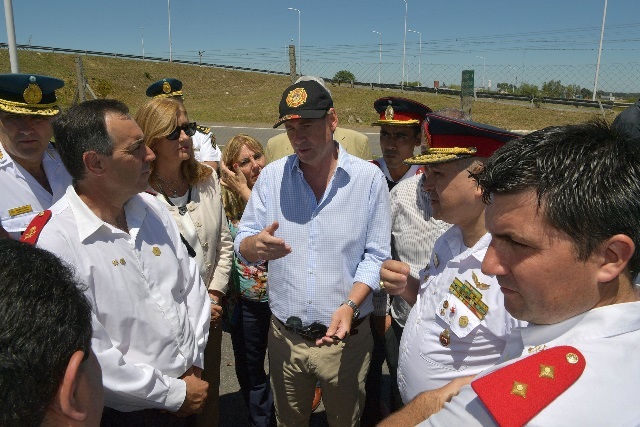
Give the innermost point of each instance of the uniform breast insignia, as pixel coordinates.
(1, 155)
(470, 296)
(518, 392)
(20, 210)
(156, 251)
(32, 233)
(445, 338)
(478, 283)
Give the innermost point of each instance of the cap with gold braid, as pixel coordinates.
(29, 94)
(165, 88)
(399, 112)
(450, 139)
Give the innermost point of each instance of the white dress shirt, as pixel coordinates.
(605, 394)
(413, 170)
(150, 310)
(22, 196)
(438, 315)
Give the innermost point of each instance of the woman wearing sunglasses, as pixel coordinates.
(191, 192)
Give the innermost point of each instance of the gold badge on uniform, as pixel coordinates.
(166, 87)
(296, 97)
(478, 283)
(445, 338)
(519, 389)
(122, 261)
(29, 234)
(388, 113)
(20, 210)
(114, 262)
(32, 94)
(156, 251)
(547, 372)
(463, 321)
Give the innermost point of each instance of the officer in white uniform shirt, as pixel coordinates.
(32, 176)
(205, 149)
(563, 213)
(399, 122)
(150, 309)
(458, 325)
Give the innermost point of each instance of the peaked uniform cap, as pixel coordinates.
(304, 100)
(29, 94)
(399, 112)
(452, 139)
(165, 88)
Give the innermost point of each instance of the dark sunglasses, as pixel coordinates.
(189, 129)
(312, 332)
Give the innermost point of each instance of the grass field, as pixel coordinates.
(224, 96)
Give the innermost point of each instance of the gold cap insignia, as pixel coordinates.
(166, 87)
(32, 94)
(296, 97)
(388, 113)
(156, 251)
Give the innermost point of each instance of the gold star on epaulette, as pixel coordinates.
(519, 389)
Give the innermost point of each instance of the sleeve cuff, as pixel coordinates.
(177, 394)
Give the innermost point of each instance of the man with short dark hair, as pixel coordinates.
(564, 213)
(32, 177)
(151, 311)
(48, 373)
(321, 219)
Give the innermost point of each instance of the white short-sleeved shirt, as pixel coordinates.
(413, 170)
(150, 310)
(604, 395)
(22, 196)
(443, 338)
(203, 149)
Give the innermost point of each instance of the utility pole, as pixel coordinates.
(200, 52)
(595, 84)
(11, 36)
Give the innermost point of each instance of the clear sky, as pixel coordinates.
(504, 32)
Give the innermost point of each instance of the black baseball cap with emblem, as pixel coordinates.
(29, 94)
(165, 88)
(304, 100)
(399, 111)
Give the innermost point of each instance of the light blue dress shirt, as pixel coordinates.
(339, 240)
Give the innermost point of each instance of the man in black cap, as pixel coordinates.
(399, 122)
(205, 149)
(321, 219)
(32, 177)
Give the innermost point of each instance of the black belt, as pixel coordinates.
(305, 333)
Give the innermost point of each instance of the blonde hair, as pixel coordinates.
(234, 204)
(157, 119)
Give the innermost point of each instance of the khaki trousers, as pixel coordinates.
(296, 364)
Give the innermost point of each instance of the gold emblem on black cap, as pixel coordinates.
(388, 113)
(296, 97)
(32, 94)
(166, 87)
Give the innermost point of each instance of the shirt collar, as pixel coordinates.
(344, 162)
(88, 222)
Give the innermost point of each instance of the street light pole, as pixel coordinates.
(380, 60)
(404, 44)
(419, 57)
(484, 69)
(142, 29)
(169, 11)
(516, 85)
(299, 49)
(595, 84)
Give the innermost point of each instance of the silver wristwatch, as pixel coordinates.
(354, 307)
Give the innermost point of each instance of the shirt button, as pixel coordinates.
(197, 224)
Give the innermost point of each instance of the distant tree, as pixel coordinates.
(505, 87)
(553, 89)
(345, 76)
(527, 89)
(586, 93)
(571, 91)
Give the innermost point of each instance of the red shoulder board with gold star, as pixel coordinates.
(518, 392)
(34, 228)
